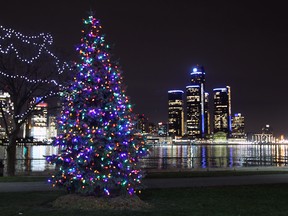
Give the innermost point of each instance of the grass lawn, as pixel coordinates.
(231, 200)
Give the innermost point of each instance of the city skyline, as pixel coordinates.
(242, 45)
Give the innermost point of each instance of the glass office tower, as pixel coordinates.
(238, 126)
(197, 118)
(222, 110)
(39, 122)
(175, 113)
(5, 117)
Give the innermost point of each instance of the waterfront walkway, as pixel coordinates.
(166, 183)
(216, 181)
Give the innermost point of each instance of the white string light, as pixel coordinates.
(41, 44)
(29, 80)
(45, 39)
(31, 108)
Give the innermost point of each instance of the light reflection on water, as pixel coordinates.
(32, 159)
(215, 155)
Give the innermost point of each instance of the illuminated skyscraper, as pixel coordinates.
(5, 101)
(52, 127)
(152, 128)
(175, 113)
(142, 123)
(238, 126)
(162, 129)
(206, 114)
(197, 118)
(39, 122)
(222, 110)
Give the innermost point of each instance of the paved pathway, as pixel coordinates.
(216, 181)
(165, 183)
(24, 186)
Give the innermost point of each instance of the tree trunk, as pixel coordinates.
(11, 155)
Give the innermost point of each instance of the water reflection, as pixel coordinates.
(31, 158)
(211, 156)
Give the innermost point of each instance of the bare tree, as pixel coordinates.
(28, 69)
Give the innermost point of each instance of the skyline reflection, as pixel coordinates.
(31, 158)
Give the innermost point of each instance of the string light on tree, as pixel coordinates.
(100, 146)
(29, 69)
(11, 42)
(31, 80)
(39, 42)
(31, 108)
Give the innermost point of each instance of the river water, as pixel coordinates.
(216, 156)
(31, 158)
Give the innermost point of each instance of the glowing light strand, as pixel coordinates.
(31, 108)
(29, 80)
(42, 47)
(43, 41)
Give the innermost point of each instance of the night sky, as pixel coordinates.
(243, 44)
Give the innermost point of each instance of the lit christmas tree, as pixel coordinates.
(100, 148)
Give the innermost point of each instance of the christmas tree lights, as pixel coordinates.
(100, 148)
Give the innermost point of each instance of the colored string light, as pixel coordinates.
(100, 146)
